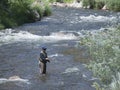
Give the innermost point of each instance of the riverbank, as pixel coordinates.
(91, 4)
(16, 13)
(74, 5)
(104, 50)
(20, 48)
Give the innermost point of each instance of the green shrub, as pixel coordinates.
(85, 3)
(8, 22)
(104, 47)
(52, 1)
(99, 4)
(97, 86)
(115, 85)
(22, 10)
(62, 1)
(89, 3)
(47, 10)
(68, 1)
(2, 26)
(114, 5)
(39, 8)
(17, 12)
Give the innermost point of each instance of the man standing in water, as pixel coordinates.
(43, 60)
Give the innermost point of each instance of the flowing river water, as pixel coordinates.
(20, 48)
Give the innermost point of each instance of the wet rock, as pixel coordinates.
(36, 15)
(14, 79)
(77, 4)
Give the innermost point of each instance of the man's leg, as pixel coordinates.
(41, 65)
(44, 68)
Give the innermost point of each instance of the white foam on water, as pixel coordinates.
(60, 45)
(60, 36)
(15, 79)
(8, 36)
(3, 80)
(71, 70)
(83, 75)
(93, 79)
(55, 55)
(93, 18)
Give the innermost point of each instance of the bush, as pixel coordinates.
(17, 12)
(114, 5)
(2, 26)
(104, 47)
(8, 22)
(99, 4)
(39, 8)
(47, 10)
(52, 1)
(85, 3)
(89, 3)
(62, 1)
(115, 85)
(23, 11)
(68, 1)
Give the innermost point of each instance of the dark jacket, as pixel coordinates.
(43, 56)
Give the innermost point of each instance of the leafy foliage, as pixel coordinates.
(115, 85)
(47, 11)
(114, 5)
(98, 4)
(62, 1)
(104, 47)
(17, 12)
(89, 3)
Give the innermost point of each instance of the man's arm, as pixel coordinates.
(42, 57)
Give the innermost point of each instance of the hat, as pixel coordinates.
(44, 48)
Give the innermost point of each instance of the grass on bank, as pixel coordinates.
(104, 48)
(17, 12)
(62, 1)
(98, 4)
(113, 5)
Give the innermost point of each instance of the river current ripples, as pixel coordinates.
(20, 48)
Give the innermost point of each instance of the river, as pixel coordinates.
(60, 32)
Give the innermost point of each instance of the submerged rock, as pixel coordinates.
(14, 79)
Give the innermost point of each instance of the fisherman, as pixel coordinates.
(43, 60)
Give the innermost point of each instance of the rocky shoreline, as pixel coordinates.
(74, 5)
